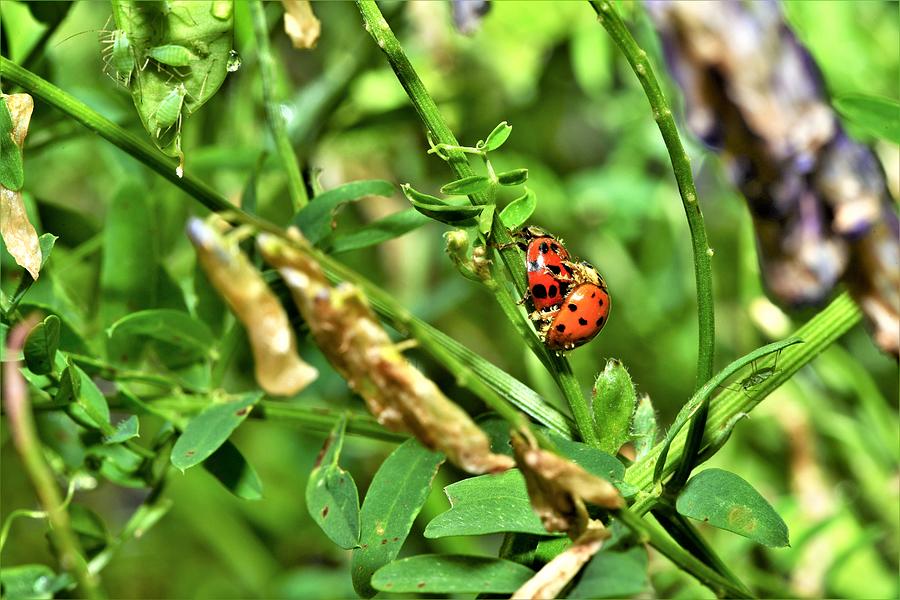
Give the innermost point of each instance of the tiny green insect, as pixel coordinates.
(119, 57)
(172, 55)
(757, 376)
(168, 112)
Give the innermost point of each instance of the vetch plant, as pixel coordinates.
(159, 380)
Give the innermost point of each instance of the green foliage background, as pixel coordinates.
(582, 127)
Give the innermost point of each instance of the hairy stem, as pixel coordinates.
(510, 254)
(25, 439)
(274, 116)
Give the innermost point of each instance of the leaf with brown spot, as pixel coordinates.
(726, 501)
(559, 489)
(18, 233)
(279, 369)
(331, 496)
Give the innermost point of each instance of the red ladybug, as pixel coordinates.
(581, 317)
(548, 272)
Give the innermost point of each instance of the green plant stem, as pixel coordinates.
(511, 255)
(657, 538)
(274, 116)
(25, 439)
(466, 362)
(681, 165)
(817, 334)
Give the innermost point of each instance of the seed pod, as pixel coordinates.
(357, 346)
(613, 406)
(279, 370)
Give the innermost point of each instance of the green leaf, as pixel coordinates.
(41, 345)
(203, 27)
(399, 489)
(182, 338)
(331, 496)
(12, 173)
(315, 220)
(87, 405)
(30, 582)
(487, 504)
(119, 465)
(514, 177)
(451, 574)
(89, 528)
(417, 197)
(497, 137)
(238, 476)
(875, 115)
(377, 232)
(613, 574)
(726, 501)
(596, 462)
(440, 210)
(467, 185)
(210, 429)
(128, 272)
(486, 218)
(644, 427)
(613, 404)
(127, 429)
(519, 210)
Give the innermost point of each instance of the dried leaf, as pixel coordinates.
(556, 574)
(353, 340)
(301, 24)
(18, 233)
(279, 370)
(559, 488)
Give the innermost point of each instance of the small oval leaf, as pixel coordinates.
(380, 231)
(467, 185)
(497, 137)
(229, 466)
(41, 345)
(613, 406)
(451, 574)
(127, 429)
(331, 496)
(726, 501)
(316, 218)
(519, 210)
(210, 429)
(514, 177)
(613, 573)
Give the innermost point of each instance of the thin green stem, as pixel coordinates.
(512, 258)
(681, 165)
(274, 114)
(25, 439)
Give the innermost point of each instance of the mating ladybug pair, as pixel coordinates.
(571, 302)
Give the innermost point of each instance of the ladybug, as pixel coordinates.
(547, 263)
(580, 318)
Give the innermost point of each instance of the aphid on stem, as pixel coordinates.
(756, 376)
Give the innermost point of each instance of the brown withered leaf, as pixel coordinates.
(556, 574)
(18, 233)
(559, 489)
(400, 396)
(301, 24)
(279, 369)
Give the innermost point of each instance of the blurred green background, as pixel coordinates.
(582, 127)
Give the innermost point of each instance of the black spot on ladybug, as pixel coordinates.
(533, 265)
(552, 291)
(593, 294)
(554, 269)
(544, 247)
(600, 322)
(600, 302)
(554, 247)
(568, 269)
(582, 321)
(573, 307)
(560, 328)
(539, 291)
